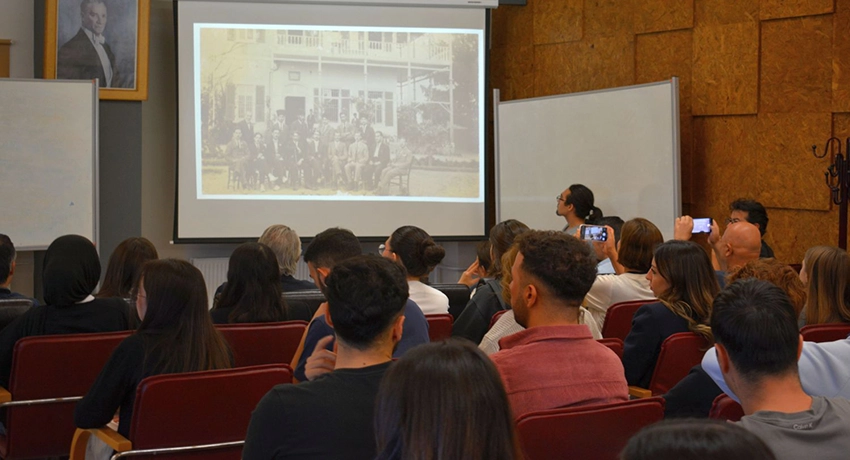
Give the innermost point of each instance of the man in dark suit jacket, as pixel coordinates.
(379, 160)
(87, 56)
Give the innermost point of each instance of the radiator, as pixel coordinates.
(214, 270)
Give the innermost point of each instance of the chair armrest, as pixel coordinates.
(5, 396)
(639, 393)
(109, 436)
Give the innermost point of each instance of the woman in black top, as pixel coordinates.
(176, 335)
(71, 272)
(253, 293)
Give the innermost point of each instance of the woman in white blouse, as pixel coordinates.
(416, 250)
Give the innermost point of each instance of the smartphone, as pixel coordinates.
(594, 233)
(702, 225)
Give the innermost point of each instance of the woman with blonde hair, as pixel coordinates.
(682, 278)
(825, 272)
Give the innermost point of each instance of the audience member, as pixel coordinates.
(332, 416)
(286, 246)
(757, 349)
(71, 272)
(694, 394)
(753, 212)
(473, 322)
(633, 251)
(252, 293)
(825, 273)
(740, 243)
(414, 248)
(605, 266)
(124, 266)
(476, 274)
(550, 276)
(327, 249)
(444, 400)
(176, 335)
(695, 440)
(7, 270)
(506, 324)
(575, 205)
(683, 280)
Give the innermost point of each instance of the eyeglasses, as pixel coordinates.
(558, 198)
(381, 248)
(732, 220)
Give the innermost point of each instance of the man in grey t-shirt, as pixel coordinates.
(758, 346)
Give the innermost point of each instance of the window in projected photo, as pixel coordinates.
(339, 113)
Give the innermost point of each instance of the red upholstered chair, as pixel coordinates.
(616, 345)
(599, 432)
(618, 318)
(679, 353)
(825, 332)
(495, 318)
(725, 408)
(254, 344)
(439, 326)
(49, 374)
(204, 415)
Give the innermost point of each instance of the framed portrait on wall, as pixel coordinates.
(103, 39)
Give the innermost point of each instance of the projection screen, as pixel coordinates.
(312, 115)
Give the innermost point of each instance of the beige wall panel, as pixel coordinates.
(720, 12)
(796, 65)
(512, 71)
(841, 57)
(663, 15)
(604, 18)
(512, 25)
(791, 232)
(774, 9)
(725, 69)
(584, 66)
(557, 21)
(686, 137)
(663, 55)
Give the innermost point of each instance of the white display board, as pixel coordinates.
(48, 160)
(622, 143)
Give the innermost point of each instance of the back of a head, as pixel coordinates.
(744, 239)
(778, 273)
(756, 214)
(693, 284)
(124, 265)
(285, 245)
(444, 400)
(71, 270)
(582, 199)
(177, 318)
(616, 223)
(482, 251)
(564, 265)
(417, 250)
(502, 236)
(331, 247)
(696, 439)
(827, 269)
(365, 294)
(754, 321)
(7, 256)
(253, 287)
(638, 241)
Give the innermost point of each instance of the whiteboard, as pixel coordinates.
(622, 143)
(48, 160)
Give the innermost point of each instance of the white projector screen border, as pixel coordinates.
(217, 217)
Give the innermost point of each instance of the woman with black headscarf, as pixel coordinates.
(70, 275)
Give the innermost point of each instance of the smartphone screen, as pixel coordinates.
(702, 225)
(594, 233)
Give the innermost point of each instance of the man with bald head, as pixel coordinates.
(740, 244)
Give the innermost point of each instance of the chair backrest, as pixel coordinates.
(725, 408)
(618, 318)
(495, 318)
(458, 295)
(11, 309)
(52, 366)
(599, 432)
(679, 353)
(616, 345)
(825, 332)
(439, 326)
(254, 344)
(195, 408)
(310, 297)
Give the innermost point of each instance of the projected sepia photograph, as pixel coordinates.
(331, 111)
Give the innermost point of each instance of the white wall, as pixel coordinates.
(16, 23)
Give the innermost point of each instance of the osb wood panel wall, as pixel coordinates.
(761, 81)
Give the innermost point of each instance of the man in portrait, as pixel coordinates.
(87, 55)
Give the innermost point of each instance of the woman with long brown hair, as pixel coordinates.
(682, 278)
(176, 335)
(825, 273)
(124, 265)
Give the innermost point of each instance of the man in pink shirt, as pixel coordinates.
(555, 362)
